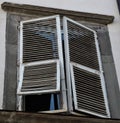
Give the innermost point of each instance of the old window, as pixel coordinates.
(42, 82)
(66, 96)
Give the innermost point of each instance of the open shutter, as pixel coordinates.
(40, 56)
(84, 69)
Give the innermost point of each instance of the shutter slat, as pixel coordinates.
(84, 50)
(95, 95)
(37, 43)
(42, 77)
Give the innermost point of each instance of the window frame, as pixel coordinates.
(96, 21)
(42, 91)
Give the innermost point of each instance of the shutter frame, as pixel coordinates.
(57, 61)
(69, 67)
(57, 89)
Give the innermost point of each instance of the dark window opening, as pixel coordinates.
(118, 2)
(45, 102)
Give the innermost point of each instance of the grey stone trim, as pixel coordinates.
(12, 40)
(22, 117)
(38, 10)
(111, 81)
(11, 64)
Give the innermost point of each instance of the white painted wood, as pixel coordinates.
(86, 68)
(62, 68)
(70, 72)
(67, 65)
(43, 91)
(42, 18)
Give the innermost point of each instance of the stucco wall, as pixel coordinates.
(2, 53)
(103, 7)
(108, 7)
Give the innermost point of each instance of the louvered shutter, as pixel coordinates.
(84, 69)
(40, 56)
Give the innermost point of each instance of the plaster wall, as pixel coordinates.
(2, 53)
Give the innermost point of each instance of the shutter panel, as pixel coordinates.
(40, 54)
(83, 62)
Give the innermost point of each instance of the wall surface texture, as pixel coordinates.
(2, 52)
(108, 7)
(20, 117)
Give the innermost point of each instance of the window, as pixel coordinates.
(46, 60)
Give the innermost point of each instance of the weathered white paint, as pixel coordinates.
(108, 7)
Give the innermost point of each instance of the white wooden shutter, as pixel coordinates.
(40, 56)
(84, 69)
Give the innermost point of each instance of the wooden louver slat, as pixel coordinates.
(82, 46)
(40, 41)
(39, 77)
(89, 98)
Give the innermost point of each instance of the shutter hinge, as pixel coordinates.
(18, 27)
(102, 71)
(18, 62)
(97, 72)
(64, 90)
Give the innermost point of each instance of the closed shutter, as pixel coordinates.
(84, 69)
(40, 54)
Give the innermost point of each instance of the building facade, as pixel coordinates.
(60, 57)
